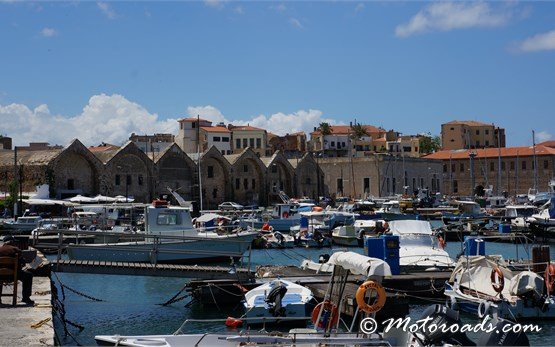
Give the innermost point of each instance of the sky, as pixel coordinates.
(99, 71)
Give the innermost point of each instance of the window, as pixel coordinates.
(461, 167)
(512, 165)
(523, 165)
(223, 152)
(491, 166)
(210, 171)
(245, 168)
(237, 183)
(545, 164)
(251, 142)
(128, 180)
(444, 167)
(455, 186)
(165, 218)
(486, 131)
(237, 143)
(117, 180)
(416, 149)
(217, 139)
(70, 184)
(452, 128)
(487, 143)
(253, 183)
(332, 144)
(366, 183)
(340, 185)
(140, 180)
(477, 132)
(246, 183)
(343, 144)
(258, 143)
(194, 124)
(225, 139)
(245, 143)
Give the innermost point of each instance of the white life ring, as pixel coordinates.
(483, 308)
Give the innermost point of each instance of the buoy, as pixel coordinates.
(285, 214)
(231, 322)
(328, 317)
(549, 277)
(441, 242)
(497, 279)
(380, 299)
(241, 288)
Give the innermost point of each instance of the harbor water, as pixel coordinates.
(131, 305)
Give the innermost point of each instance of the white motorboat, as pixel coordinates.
(519, 215)
(484, 284)
(345, 235)
(278, 298)
(546, 216)
(169, 238)
(23, 225)
(276, 239)
(418, 246)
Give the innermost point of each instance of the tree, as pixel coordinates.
(359, 131)
(325, 128)
(429, 144)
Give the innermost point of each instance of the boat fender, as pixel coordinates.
(497, 279)
(241, 288)
(483, 308)
(329, 316)
(380, 299)
(231, 322)
(549, 277)
(285, 214)
(441, 242)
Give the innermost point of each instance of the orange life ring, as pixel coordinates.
(549, 277)
(441, 242)
(233, 322)
(285, 214)
(266, 226)
(328, 307)
(361, 300)
(497, 279)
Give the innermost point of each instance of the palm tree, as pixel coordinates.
(358, 131)
(325, 128)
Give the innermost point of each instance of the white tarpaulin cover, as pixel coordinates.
(210, 216)
(474, 273)
(403, 227)
(525, 282)
(359, 264)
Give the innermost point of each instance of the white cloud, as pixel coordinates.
(359, 7)
(296, 23)
(48, 32)
(107, 10)
(446, 16)
(279, 8)
(277, 123)
(239, 10)
(543, 136)
(219, 4)
(539, 42)
(108, 118)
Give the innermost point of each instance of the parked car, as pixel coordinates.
(228, 205)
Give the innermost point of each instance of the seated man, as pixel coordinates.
(9, 250)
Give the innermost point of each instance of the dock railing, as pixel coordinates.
(154, 244)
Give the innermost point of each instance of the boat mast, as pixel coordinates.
(498, 162)
(198, 163)
(535, 161)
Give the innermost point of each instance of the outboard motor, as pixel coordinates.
(441, 316)
(279, 237)
(497, 337)
(273, 299)
(323, 258)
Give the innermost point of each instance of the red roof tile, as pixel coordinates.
(548, 144)
(346, 129)
(492, 152)
(215, 129)
(246, 127)
(468, 122)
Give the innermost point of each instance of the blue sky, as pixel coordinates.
(101, 70)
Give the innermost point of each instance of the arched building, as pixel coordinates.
(248, 178)
(280, 176)
(175, 170)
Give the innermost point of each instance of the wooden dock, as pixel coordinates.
(148, 269)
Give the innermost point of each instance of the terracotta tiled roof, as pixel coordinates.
(548, 144)
(467, 122)
(215, 129)
(492, 152)
(246, 127)
(346, 129)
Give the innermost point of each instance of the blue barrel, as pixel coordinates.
(504, 228)
(474, 247)
(304, 223)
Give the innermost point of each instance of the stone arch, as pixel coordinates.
(248, 178)
(130, 171)
(309, 182)
(280, 176)
(74, 171)
(215, 174)
(175, 170)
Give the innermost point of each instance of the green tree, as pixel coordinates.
(429, 144)
(325, 128)
(358, 131)
(14, 195)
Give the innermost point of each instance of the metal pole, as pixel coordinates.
(535, 160)
(198, 163)
(15, 178)
(498, 164)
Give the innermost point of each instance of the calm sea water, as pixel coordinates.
(130, 305)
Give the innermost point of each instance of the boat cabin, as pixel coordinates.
(164, 219)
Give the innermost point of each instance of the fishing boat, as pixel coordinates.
(419, 248)
(23, 225)
(518, 215)
(484, 284)
(345, 235)
(546, 217)
(278, 298)
(169, 238)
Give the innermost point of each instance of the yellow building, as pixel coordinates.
(246, 136)
(471, 134)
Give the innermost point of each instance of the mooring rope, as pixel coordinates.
(62, 285)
